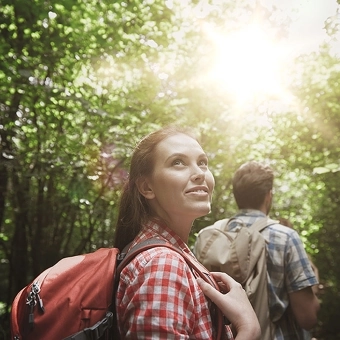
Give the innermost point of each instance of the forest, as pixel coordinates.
(82, 80)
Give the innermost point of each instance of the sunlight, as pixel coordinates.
(248, 64)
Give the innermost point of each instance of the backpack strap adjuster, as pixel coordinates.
(94, 332)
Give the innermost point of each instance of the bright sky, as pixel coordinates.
(307, 29)
(252, 63)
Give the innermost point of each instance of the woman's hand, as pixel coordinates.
(234, 304)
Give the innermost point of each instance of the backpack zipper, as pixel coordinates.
(32, 299)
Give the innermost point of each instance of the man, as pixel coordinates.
(292, 302)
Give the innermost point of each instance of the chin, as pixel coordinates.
(204, 210)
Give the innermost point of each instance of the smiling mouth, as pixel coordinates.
(198, 191)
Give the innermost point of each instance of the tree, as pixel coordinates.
(60, 168)
(82, 81)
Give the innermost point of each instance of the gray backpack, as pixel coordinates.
(242, 254)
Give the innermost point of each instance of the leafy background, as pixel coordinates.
(82, 81)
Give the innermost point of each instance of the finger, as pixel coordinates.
(226, 282)
(209, 290)
(223, 277)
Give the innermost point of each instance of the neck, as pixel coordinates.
(178, 226)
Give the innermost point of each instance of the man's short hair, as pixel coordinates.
(251, 183)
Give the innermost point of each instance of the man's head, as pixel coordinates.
(252, 186)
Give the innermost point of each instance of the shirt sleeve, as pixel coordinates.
(299, 270)
(158, 298)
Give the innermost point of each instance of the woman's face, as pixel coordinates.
(181, 184)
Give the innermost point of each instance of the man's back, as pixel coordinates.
(289, 273)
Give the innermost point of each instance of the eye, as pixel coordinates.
(178, 162)
(203, 162)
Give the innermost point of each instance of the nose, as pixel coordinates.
(198, 175)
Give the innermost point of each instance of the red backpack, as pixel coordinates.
(74, 299)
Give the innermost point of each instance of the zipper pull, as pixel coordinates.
(36, 291)
(31, 315)
(31, 301)
(41, 305)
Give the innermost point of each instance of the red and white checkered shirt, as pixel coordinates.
(158, 296)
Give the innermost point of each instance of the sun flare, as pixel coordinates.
(248, 64)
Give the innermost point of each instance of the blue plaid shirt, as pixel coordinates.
(289, 270)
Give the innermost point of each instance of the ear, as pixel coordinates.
(268, 201)
(144, 188)
(269, 195)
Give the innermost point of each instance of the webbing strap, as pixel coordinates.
(94, 332)
(263, 223)
(259, 225)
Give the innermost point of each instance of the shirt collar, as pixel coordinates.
(250, 213)
(157, 229)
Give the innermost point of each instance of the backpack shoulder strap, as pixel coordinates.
(263, 223)
(231, 220)
(126, 257)
(221, 224)
(155, 242)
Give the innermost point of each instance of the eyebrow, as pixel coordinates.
(178, 154)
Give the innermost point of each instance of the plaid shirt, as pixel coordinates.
(289, 270)
(158, 296)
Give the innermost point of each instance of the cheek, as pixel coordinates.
(162, 183)
(210, 180)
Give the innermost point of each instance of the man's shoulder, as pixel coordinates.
(282, 229)
(274, 230)
(281, 237)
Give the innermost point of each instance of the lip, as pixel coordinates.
(200, 189)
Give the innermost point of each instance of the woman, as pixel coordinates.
(158, 297)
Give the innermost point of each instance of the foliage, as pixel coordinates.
(65, 129)
(82, 81)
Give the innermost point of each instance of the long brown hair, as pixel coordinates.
(134, 209)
